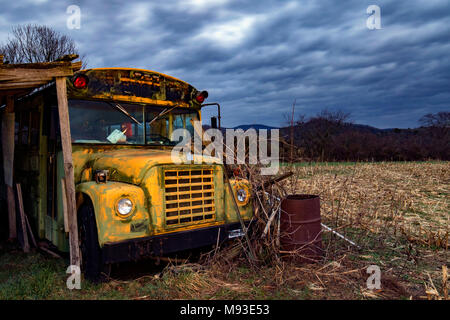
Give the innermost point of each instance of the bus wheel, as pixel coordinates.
(91, 253)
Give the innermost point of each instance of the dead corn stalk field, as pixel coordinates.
(393, 215)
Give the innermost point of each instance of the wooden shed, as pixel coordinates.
(20, 80)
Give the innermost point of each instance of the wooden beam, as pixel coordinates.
(1, 59)
(13, 80)
(50, 252)
(26, 244)
(8, 163)
(67, 57)
(68, 169)
(19, 74)
(11, 212)
(64, 203)
(22, 85)
(33, 239)
(37, 65)
(77, 65)
(9, 104)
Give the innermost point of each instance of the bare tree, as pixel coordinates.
(438, 124)
(320, 129)
(440, 119)
(336, 118)
(35, 43)
(301, 120)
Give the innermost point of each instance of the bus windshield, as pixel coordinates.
(121, 123)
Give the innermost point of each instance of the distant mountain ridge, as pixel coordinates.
(352, 126)
(254, 126)
(245, 127)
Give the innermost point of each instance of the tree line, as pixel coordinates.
(330, 136)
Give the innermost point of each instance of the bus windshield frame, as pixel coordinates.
(120, 123)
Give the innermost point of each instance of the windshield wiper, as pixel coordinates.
(125, 112)
(164, 112)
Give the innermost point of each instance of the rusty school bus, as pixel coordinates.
(132, 200)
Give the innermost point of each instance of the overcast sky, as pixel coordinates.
(255, 57)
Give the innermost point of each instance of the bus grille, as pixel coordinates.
(189, 196)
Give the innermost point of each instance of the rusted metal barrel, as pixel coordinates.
(300, 228)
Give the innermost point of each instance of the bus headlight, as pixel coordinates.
(242, 194)
(124, 207)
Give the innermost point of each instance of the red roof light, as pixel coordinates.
(80, 82)
(201, 96)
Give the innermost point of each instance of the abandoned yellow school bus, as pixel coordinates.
(132, 200)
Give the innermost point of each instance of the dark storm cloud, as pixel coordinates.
(256, 57)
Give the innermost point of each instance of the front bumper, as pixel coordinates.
(141, 248)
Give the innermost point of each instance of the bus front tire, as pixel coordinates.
(92, 261)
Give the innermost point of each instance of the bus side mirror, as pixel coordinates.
(214, 122)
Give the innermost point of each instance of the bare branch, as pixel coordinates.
(35, 43)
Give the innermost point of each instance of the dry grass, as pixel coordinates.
(398, 213)
(409, 199)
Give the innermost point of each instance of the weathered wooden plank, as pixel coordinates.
(50, 252)
(33, 239)
(26, 244)
(34, 74)
(13, 79)
(18, 82)
(11, 212)
(8, 162)
(10, 109)
(22, 85)
(77, 65)
(67, 57)
(64, 203)
(68, 169)
(37, 65)
(27, 76)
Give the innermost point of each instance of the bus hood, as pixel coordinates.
(130, 165)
